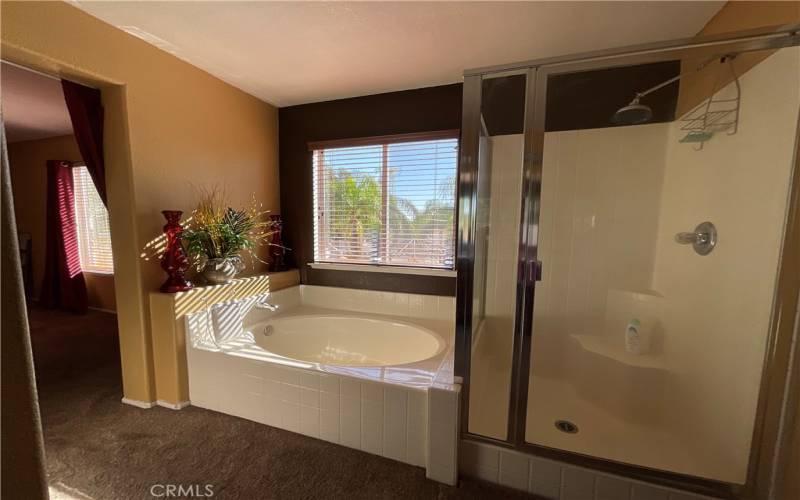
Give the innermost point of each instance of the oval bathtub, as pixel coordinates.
(346, 340)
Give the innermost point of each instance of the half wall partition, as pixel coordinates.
(621, 225)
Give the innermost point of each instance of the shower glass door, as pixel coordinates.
(649, 329)
(497, 191)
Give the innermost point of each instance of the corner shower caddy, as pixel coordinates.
(714, 115)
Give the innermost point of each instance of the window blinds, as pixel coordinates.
(94, 237)
(388, 203)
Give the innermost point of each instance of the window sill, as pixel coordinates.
(98, 273)
(367, 268)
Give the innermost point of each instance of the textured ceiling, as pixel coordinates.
(33, 105)
(290, 53)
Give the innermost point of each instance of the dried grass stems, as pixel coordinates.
(217, 231)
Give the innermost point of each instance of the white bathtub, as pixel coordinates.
(374, 373)
(346, 339)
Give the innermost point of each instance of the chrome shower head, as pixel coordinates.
(633, 114)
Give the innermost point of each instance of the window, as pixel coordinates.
(386, 201)
(91, 216)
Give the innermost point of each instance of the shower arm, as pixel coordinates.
(663, 84)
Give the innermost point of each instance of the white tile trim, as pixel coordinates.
(443, 435)
(475, 462)
(139, 404)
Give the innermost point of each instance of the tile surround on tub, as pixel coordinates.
(417, 428)
(385, 420)
(387, 411)
(443, 435)
(553, 480)
(396, 304)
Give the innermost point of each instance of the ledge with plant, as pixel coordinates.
(217, 236)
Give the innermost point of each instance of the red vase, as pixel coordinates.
(174, 261)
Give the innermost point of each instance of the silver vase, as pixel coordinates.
(221, 271)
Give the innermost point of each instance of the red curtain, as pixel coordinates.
(86, 113)
(63, 285)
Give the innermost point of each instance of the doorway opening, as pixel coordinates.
(65, 253)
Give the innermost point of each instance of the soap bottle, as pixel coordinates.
(633, 338)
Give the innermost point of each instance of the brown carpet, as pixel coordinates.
(99, 448)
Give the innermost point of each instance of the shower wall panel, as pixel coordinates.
(612, 201)
(717, 307)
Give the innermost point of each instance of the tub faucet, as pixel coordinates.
(266, 305)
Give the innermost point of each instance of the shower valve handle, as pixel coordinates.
(703, 239)
(691, 238)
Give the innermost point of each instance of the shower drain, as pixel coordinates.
(566, 426)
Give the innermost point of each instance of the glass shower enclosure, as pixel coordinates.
(621, 221)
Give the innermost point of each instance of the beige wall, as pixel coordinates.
(169, 127)
(29, 181)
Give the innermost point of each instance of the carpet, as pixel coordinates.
(98, 448)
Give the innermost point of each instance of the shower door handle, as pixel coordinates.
(534, 270)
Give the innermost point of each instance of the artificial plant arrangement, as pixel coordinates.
(217, 235)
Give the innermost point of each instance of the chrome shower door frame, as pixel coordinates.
(538, 72)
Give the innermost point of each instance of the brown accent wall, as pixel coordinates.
(29, 182)
(419, 110)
